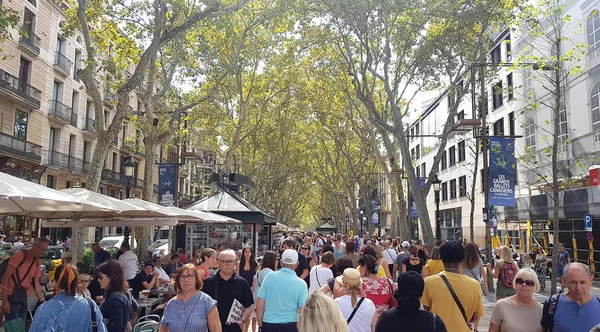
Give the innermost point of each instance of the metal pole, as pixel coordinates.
(438, 230)
(126, 231)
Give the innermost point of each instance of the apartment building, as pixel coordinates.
(508, 96)
(47, 121)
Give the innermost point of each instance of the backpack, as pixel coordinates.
(508, 274)
(4, 265)
(549, 310)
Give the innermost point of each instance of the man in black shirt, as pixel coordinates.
(302, 268)
(225, 287)
(146, 279)
(171, 267)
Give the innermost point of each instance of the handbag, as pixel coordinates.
(460, 306)
(484, 288)
(93, 315)
(392, 302)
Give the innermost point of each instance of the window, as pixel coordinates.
(496, 54)
(445, 191)
(497, 100)
(29, 22)
(527, 86)
(595, 99)
(452, 189)
(462, 186)
(452, 157)
(509, 83)
(412, 153)
(563, 133)
(418, 151)
(20, 131)
(499, 127)
(593, 30)
(68, 185)
(418, 170)
(424, 169)
(529, 134)
(461, 115)
(508, 48)
(444, 160)
(461, 151)
(24, 68)
(50, 183)
(86, 151)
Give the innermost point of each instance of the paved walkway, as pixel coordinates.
(490, 300)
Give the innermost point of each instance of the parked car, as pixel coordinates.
(159, 245)
(114, 241)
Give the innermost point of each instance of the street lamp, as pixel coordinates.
(378, 219)
(129, 168)
(437, 186)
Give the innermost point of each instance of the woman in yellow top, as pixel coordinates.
(434, 265)
(382, 267)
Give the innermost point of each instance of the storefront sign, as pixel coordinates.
(167, 184)
(501, 177)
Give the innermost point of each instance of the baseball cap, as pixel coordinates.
(289, 256)
(405, 244)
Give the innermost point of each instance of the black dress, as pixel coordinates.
(417, 268)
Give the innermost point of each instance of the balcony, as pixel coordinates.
(19, 147)
(75, 76)
(89, 126)
(64, 161)
(114, 177)
(30, 43)
(60, 112)
(19, 91)
(62, 64)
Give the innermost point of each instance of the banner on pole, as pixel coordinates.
(374, 212)
(167, 184)
(412, 203)
(501, 176)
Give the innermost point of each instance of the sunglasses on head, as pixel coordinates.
(528, 283)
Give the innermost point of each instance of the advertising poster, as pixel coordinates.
(167, 184)
(501, 177)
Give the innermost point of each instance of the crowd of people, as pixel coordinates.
(311, 283)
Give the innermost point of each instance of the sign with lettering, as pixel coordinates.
(167, 184)
(502, 167)
(411, 200)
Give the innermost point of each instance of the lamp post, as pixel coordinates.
(129, 167)
(378, 219)
(361, 220)
(437, 183)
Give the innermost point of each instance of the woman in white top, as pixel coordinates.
(354, 305)
(321, 274)
(389, 254)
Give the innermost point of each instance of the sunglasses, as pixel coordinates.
(528, 283)
(305, 248)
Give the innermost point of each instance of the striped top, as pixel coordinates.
(192, 315)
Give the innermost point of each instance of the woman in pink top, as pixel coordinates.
(378, 289)
(209, 258)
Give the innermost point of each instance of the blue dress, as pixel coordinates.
(192, 315)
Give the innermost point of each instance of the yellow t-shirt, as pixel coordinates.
(434, 266)
(380, 271)
(438, 298)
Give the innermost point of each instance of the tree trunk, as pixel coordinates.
(555, 186)
(142, 233)
(473, 191)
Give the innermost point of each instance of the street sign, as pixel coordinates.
(589, 236)
(588, 220)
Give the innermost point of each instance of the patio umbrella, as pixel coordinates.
(210, 217)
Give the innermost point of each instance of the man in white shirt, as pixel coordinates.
(19, 242)
(163, 277)
(128, 261)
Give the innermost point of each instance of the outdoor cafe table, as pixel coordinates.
(147, 304)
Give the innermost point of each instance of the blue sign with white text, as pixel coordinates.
(167, 184)
(411, 200)
(501, 177)
(588, 221)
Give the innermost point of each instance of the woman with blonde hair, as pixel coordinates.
(358, 311)
(520, 312)
(504, 263)
(320, 313)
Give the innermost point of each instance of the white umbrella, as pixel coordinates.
(210, 217)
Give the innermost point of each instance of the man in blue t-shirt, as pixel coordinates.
(577, 310)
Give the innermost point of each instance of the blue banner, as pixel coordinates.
(374, 212)
(501, 176)
(412, 203)
(167, 184)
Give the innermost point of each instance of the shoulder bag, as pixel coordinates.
(355, 309)
(460, 306)
(93, 315)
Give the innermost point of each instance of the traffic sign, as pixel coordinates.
(588, 220)
(589, 236)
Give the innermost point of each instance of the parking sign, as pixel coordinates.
(588, 220)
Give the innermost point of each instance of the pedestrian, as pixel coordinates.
(19, 242)
(338, 249)
(118, 306)
(382, 262)
(407, 313)
(351, 253)
(562, 259)
(368, 249)
(145, 280)
(320, 313)
(66, 258)
(247, 269)
(520, 312)
(402, 254)
(378, 289)
(356, 308)
(67, 244)
(437, 295)
(414, 262)
(2, 241)
(100, 255)
(49, 241)
(505, 271)
(540, 266)
(66, 311)
(208, 257)
(473, 266)
(83, 281)
(321, 274)
(128, 261)
(183, 258)
(577, 309)
(335, 285)
(195, 259)
(171, 267)
(434, 265)
(21, 278)
(230, 291)
(302, 267)
(305, 250)
(163, 277)
(389, 253)
(281, 296)
(267, 266)
(318, 245)
(423, 254)
(191, 309)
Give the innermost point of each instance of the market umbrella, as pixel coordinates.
(210, 217)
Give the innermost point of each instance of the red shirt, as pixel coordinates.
(26, 280)
(184, 259)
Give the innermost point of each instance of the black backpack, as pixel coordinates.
(549, 310)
